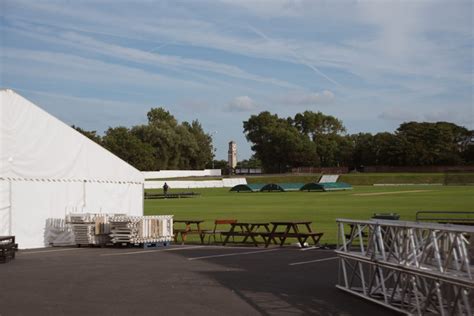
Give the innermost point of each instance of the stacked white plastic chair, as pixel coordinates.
(90, 229)
(141, 229)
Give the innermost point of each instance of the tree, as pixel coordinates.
(218, 164)
(324, 131)
(364, 150)
(204, 149)
(163, 143)
(317, 124)
(252, 163)
(430, 143)
(278, 144)
(123, 143)
(89, 134)
(177, 146)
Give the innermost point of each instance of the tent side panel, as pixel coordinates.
(36, 202)
(124, 198)
(5, 208)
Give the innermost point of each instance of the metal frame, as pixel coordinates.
(414, 268)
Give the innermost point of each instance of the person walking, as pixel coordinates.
(165, 188)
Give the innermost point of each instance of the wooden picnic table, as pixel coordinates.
(246, 230)
(291, 229)
(254, 227)
(188, 228)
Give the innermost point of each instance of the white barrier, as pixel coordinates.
(329, 178)
(163, 174)
(224, 183)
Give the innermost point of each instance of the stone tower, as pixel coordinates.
(232, 155)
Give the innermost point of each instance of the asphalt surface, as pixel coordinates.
(176, 280)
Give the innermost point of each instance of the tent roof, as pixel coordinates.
(35, 145)
(271, 187)
(282, 187)
(291, 186)
(312, 186)
(326, 186)
(254, 187)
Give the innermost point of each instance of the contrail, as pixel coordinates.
(158, 47)
(299, 58)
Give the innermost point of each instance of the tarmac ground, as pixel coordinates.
(177, 280)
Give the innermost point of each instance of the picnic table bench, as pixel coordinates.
(218, 223)
(188, 229)
(245, 230)
(291, 230)
(177, 195)
(7, 248)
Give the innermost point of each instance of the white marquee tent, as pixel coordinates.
(48, 169)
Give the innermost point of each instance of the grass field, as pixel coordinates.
(321, 208)
(373, 178)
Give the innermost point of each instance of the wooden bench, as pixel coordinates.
(241, 230)
(187, 230)
(241, 234)
(301, 237)
(7, 248)
(218, 223)
(171, 195)
(291, 230)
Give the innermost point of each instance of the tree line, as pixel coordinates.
(309, 139)
(162, 143)
(312, 139)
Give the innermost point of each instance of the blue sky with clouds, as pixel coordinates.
(373, 64)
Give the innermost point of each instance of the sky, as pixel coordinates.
(373, 64)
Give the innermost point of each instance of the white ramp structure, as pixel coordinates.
(48, 169)
(414, 268)
(328, 178)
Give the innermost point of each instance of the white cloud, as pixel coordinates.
(89, 113)
(242, 104)
(398, 114)
(84, 70)
(380, 52)
(396, 37)
(462, 116)
(307, 99)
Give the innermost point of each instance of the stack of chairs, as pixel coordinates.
(141, 229)
(90, 229)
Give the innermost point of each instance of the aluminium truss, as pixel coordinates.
(414, 268)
